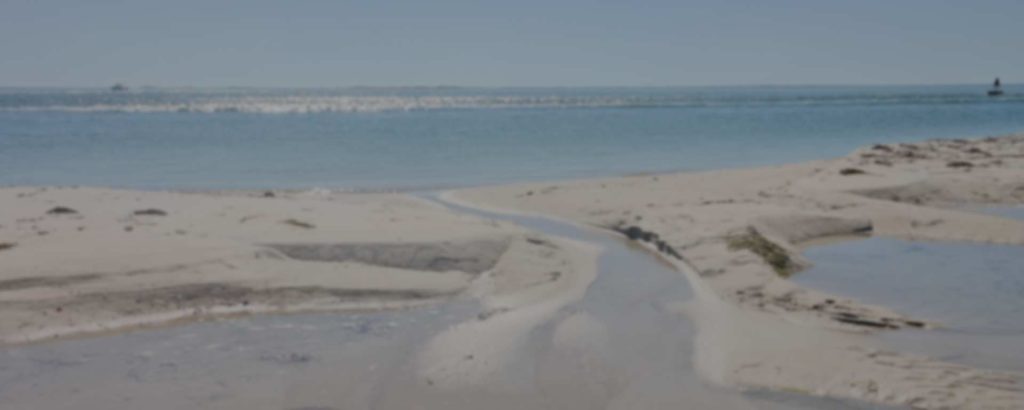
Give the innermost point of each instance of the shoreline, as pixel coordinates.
(786, 225)
(413, 189)
(735, 235)
(738, 233)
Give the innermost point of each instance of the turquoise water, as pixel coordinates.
(383, 138)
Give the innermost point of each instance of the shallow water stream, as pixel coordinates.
(637, 354)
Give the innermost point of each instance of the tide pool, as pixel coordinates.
(974, 291)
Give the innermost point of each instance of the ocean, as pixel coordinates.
(409, 138)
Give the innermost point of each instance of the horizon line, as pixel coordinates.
(442, 86)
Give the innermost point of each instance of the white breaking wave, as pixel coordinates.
(327, 104)
(303, 103)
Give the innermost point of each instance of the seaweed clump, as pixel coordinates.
(636, 233)
(774, 255)
(61, 210)
(299, 224)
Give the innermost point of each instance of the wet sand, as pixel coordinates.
(620, 345)
(739, 234)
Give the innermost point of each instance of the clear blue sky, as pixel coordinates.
(508, 43)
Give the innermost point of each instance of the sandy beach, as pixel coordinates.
(737, 235)
(83, 260)
(80, 261)
(452, 205)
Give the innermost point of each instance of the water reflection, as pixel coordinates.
(976, 291)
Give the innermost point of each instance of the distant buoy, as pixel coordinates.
(996, 88)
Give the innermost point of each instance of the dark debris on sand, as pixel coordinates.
(61, 210)
(635, 233)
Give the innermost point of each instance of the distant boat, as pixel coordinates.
(119, 87)
(996, 89)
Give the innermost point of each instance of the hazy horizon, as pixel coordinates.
(496, 87)
(531, 44)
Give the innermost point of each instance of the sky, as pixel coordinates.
(508, 43)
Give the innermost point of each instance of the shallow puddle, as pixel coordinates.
(1013, 212)
(975, 291)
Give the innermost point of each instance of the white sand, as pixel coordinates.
(757, 328)
(104, 268)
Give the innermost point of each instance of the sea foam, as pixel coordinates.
(299, 101)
